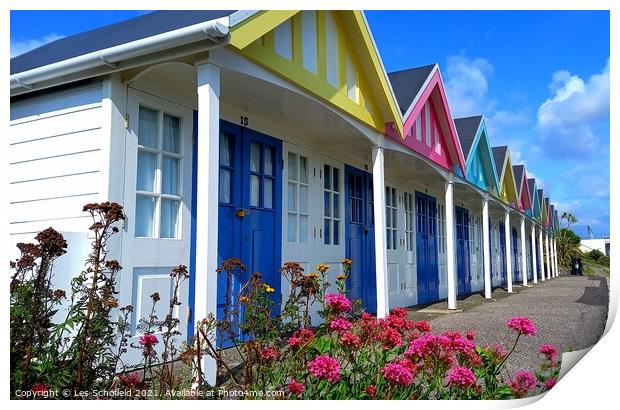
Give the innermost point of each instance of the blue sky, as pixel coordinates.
(541, 78)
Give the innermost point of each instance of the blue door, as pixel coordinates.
(502, 251)
(463, 266)
(360, 238)
(426, 248)
(249, 225)
(516, 264)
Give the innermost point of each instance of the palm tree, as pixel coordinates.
(567, 240)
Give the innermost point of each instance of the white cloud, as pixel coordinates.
(21, 46)
(467, 85)
(566, 120)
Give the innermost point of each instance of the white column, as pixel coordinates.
(541, 254)
(380, 231)
(552, 256)
(523, 253)
(508, 250)
(486, 252)
(450, 245)
(205, 294)
(555, 254)
(533, 241)
(547, 255)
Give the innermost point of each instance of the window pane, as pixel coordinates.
(327, 177)
(336, 225)
(388, 238)
(254, 190)
(147, 128)
(327, 207)
(170, 176)
(326, 231)
(303, 170)
(303, 228)
(255, 157)
(292, 196)
(169, 218)
(145, 211)
(269, 161)
(292, 166)
(147, 165)
(303, 198)
(336, 184)
(267, 193)
(225, 186)
(172, 130)
(292, 228)
(226, 148)
(336, 199)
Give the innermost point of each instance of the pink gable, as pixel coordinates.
(429, 129)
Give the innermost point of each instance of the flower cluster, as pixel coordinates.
(325, 367)
(340, 324)
(522, 325)
(338, 303)
(522, 383)
(300, 337)
(550, 352)
(461, 376)
(397, 373)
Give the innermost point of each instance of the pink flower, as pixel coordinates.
(296, 387)
(399, 312)
(300, 337)
(325, 367)
(340, 324)
(550, 383)
(522, 383)
(390, 338)
(270, 353)
(461, 376)
(148, 340)
(397, 373)
(422, 326)
(470, 335)
(130, 379)
(426, 345)
(350, 340)
(497, 350)
(549, 350)
(522, 325)
(338, 302)
(371, 390)
(40, 389)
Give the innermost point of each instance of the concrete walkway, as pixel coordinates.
(569, 312)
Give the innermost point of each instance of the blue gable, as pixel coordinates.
(480, 165)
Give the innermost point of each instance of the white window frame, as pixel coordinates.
(157, 188)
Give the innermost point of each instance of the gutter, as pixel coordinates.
(215, 31)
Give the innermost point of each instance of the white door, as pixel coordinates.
(158, 190)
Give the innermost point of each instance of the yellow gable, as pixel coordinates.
(509, 189)
(328, 53)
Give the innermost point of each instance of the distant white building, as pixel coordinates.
(601, 244)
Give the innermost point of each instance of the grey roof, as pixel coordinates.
(518, 171)
(407, 83)
(112, 35)
(466, 128)
(530, 184)
(499, 153)
(540, 197)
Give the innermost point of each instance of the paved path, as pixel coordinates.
(569, 312)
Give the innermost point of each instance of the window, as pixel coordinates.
(391, 217)
(441, 227)
(331, 205)
(298, 210)
(408, 221)
(262, 175)
(158, 179)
